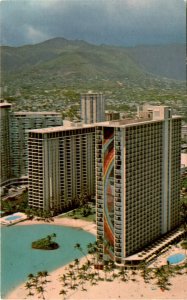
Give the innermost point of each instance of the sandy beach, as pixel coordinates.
(85, 225)
(116, 289)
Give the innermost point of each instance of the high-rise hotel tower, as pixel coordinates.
(61, 165)
(14, 128)
(21, 122)
(5, 174)
(137, 181)
(92, 107)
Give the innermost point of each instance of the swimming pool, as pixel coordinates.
(18, 259)
(13, 217)
(176, 258)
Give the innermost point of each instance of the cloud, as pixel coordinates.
(122, 22)
(35, 35)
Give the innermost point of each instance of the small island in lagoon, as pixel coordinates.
(46, 243)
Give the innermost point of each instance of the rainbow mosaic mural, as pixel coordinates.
(108, 149)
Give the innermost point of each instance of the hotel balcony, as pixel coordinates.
(100, 231)
(118, 230)
(118, 203)
(99, 223)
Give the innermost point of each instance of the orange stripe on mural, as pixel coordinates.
(108, 160)
(108, 231)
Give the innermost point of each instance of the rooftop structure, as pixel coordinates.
(111, 115)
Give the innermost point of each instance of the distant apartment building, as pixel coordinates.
(21, 122)
(61, 165)
(92, 107)
(184, 133)
(111, 115)
(14, 138)
(137, 181)
(5, 109)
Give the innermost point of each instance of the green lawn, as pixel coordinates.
(83, 213)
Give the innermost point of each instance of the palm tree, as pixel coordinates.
(30, 276)
(45, 275)
(63, 293)
(92, 278)
(162, 276)
(49, 238)
(123, 274)
(183, 214)
(78, 247)
(82, 280)
(64, 278)
(33, 280)
(40, 290)
(76, 263)
(133, 273)
(92, 249)
(28, 286)
(144, 270)
(70, 275)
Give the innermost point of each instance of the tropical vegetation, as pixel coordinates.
(46, 243)
(82, 275)
(36, 284)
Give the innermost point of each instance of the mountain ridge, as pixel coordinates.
(60, 55)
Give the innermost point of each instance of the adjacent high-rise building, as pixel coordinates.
(184, 133)
(21, 122)
(61, 165)
(5, 109)
(137, 181)
(92, 107)
(14, 128)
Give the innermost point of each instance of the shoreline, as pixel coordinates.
(65, 221)
(87, 226)
(113, 290)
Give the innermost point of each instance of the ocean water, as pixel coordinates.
(18, 259)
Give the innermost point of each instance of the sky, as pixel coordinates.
(112, 22)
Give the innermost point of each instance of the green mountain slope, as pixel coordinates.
(166, 60)
(77, 60)
(68, 57)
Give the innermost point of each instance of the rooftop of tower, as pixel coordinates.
(5, 104)
(73, 126)
(30, 113)
(147, 114)
(130, 122)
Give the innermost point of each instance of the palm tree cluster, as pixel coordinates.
(79, 274)
(161, 274)
(183, 214)
(18, 203)
(36, 284)
(39, 214)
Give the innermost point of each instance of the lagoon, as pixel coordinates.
(18, 259)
